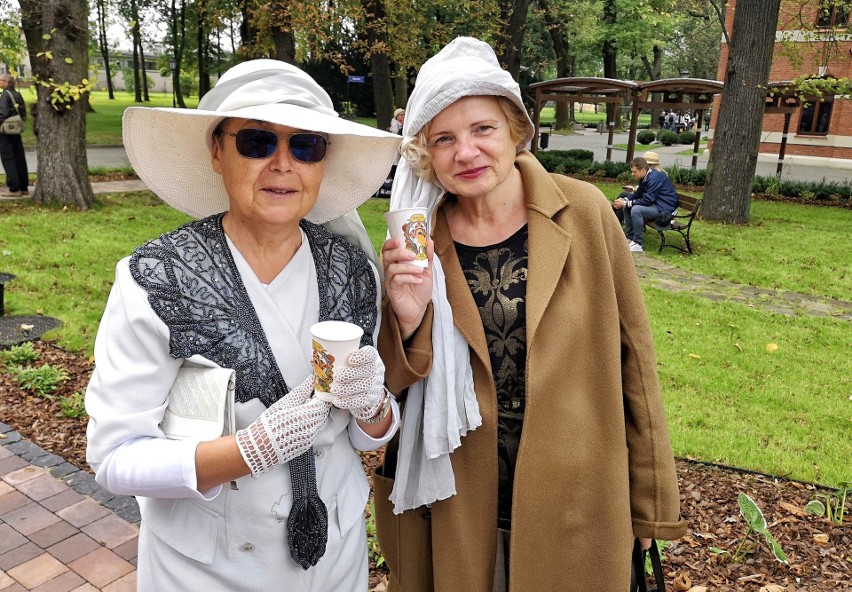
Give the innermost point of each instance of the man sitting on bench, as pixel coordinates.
(654, 199)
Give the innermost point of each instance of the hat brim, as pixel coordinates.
(170, 151)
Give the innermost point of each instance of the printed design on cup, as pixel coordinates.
(323, 363)
(416, 235)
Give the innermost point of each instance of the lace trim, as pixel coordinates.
(194, 287)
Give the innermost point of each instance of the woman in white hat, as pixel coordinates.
(278, 504)
(533, 451)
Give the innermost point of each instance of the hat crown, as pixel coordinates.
(266, 82)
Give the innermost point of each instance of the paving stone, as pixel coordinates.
(128, 550)
(62, 583)
(12, 501)
(53, 534)
(30, 518)
(124, 584)
(101, 567)
(12, 463)
(15, 588)
(69, 497)
(21, 475)
(131, 513)
(41, 487)
(10, 539)
(5, 580)
(10, 437)
(19, 555)
(27, 450)
(37, 571)
(47, 460)
(5, 452)
(73, 547)
(87, 587)
(82, 513)
(5, 427)
(63, 470)
(111, 531)
(5, 488)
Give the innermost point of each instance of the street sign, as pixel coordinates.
(356, 79)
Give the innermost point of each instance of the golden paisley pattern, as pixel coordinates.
(497, 278)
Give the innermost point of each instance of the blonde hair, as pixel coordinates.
(9, 79)
(415, 149)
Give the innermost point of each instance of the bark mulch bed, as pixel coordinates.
(819, 552)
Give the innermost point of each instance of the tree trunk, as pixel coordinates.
(62, 175)
(104, 46)
(513, 15)
(379, 61)
(730, 171)
(400, 87)
(178, 26)
(202, 40)
(609, 59)
(137, 82)
(654, 70)
(144, 71)
(560, 48)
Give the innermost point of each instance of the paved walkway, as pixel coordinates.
(60, 532)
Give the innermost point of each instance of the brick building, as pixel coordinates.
(816, 33)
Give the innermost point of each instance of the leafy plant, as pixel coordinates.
(834, 506)
(73, 405)
(686, 137)
(19, 355)
(40, 381)
(756, 526)
(373, 548)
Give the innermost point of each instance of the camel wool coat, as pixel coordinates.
(595, 467)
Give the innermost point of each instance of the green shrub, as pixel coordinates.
(565, 161)
(19, 355)
(609, 169)
(40, 381)
(687, 176)
(667, 137)
(645, 137)
(579, 154)
(73, 405)
(686, 137)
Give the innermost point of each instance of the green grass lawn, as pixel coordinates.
(728, 399)
(103, 124)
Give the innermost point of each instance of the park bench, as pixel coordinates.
(687, 208)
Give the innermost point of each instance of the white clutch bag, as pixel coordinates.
(200, 404)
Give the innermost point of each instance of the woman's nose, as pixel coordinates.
(281, 159)
(466, 147)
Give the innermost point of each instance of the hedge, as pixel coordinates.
(568, 162)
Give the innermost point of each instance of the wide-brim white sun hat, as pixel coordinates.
(170, 149)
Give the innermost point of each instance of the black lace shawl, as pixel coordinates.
(193, 285)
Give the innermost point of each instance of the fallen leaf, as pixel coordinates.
(25, 327)
(821, 538)
(793, 509)
(738, 346)
(695, 356)
(772, 588)
(771, 347)
(682, 583)
(698, 589)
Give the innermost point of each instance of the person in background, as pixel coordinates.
(655, 195)
(262, 162)
(564, 456)
(11, 145)
(653, 160)
(397, 121)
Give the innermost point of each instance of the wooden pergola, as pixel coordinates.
(608, 91)
(695, 94)
(781, 97)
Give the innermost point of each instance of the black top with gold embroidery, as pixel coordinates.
(497, 277)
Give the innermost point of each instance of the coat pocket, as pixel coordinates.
(183, 525)
(405, 539)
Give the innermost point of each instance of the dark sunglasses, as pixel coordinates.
(259, 143)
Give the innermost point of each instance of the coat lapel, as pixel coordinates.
(549, 242)
(465, 313)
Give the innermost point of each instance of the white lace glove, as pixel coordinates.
(285, 430)
(360, 388)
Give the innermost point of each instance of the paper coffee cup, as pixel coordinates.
(332, 342)
(412, 225)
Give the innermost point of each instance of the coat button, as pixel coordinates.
(318, 453)
(247, 547)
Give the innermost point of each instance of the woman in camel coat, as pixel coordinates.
(592, 467)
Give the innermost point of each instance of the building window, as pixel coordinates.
(815, 119)
(833, 13)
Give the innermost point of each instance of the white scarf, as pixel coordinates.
(442, 408)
